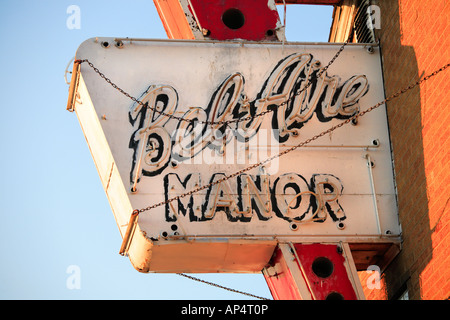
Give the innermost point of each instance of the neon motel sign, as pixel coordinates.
(208, 110)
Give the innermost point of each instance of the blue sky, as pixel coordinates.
(54, 212)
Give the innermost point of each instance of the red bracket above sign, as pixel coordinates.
(221, 19)
(226, 19)
(235, 19)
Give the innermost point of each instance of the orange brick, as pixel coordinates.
(420, 137)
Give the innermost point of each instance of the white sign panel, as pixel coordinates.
(200, 121)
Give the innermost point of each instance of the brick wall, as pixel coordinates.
(415, 41)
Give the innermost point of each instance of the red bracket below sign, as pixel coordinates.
(313, 272)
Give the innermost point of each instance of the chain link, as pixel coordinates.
(221, 287)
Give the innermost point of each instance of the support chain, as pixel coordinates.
(221, 287)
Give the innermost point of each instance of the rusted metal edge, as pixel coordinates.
(128, 234)
(375, 238)
(240, 42)
(73, 86)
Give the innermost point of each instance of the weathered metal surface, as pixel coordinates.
(338, 188)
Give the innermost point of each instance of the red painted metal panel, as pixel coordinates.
(235, 19)
(250, 20)
(315, 259)
(326, 2)
(321, 267)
